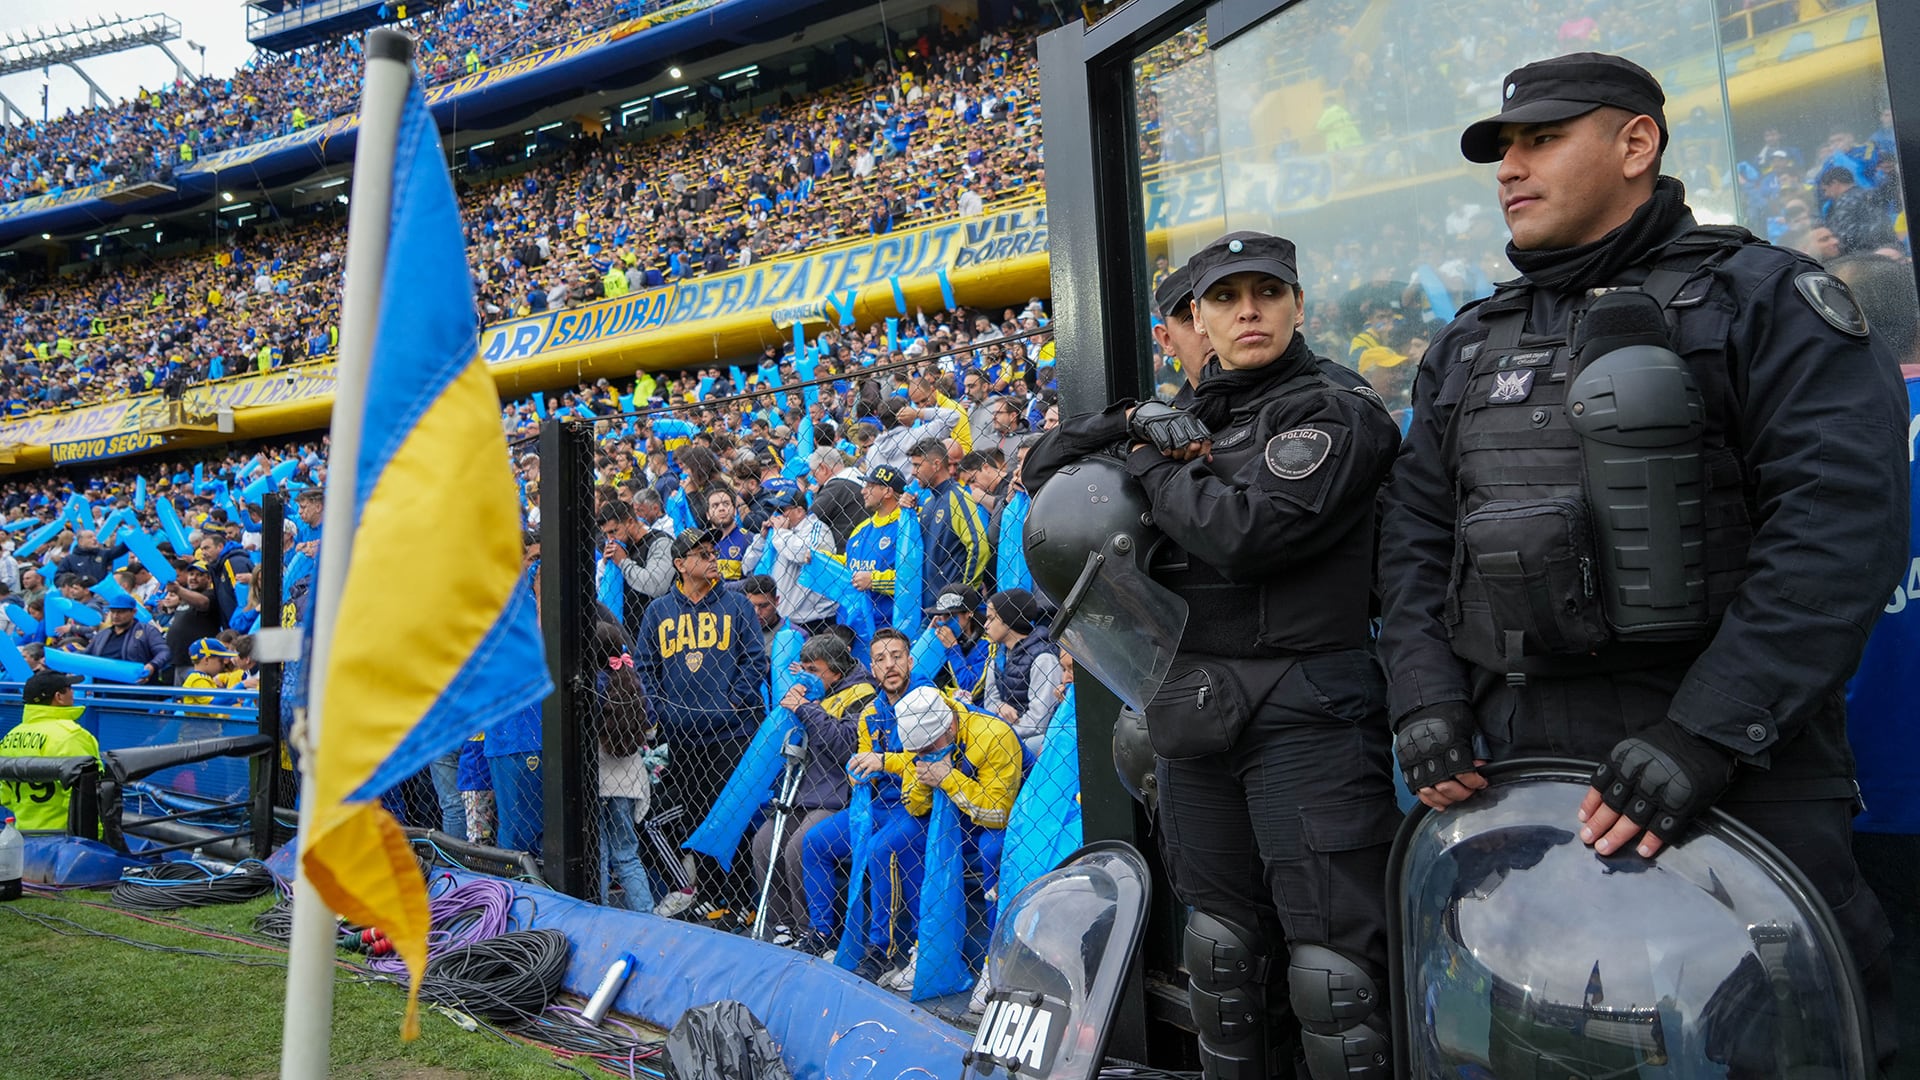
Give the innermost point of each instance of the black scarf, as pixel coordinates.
(1599, 263)
(1220, 387)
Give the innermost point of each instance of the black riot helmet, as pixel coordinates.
(1522, 953)
(1088, 534)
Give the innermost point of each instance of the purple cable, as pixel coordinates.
(468, 912)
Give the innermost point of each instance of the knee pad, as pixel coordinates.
(1228, 966)
(1342, 1012)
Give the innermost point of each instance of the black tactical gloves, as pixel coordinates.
(1435, 744)
(1166, 427)
(1662, 778)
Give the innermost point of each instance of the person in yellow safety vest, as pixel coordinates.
(186, 152)
(473, 60)
(268, 357)
(615, 282)
(63, 346)
(49, 727)
(299, 118)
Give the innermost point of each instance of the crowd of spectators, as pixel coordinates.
(951, 129)
(166, 129)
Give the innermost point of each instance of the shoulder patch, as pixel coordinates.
(1294, 455)
(1830, 297)
(1370, 394)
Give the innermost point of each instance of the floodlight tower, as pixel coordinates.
(88, 39)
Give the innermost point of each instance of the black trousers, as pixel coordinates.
(1584, 718)
(1288, 830)
(697, 771)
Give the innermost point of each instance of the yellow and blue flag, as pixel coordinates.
(426, 649)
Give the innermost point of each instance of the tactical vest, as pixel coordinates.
(1525, 596)
(1012, 679)
(1319, 605)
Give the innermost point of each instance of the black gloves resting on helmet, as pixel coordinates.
(1166, 427)
(1660, 779)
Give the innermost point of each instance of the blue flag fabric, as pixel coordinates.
(611, 589)
(1044, 827)
(831, 579)
(677, 510)
(929, 655)
(941, 965)
(751, 783)
(1011, 571)
(909, 564)
(853, 928)
(1880, 695)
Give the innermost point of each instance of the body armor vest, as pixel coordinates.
(1317, 605)
(1536, 587)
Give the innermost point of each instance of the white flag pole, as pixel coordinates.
(308, 1027)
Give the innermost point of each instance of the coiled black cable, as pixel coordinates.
(502, 979)
(171, 886)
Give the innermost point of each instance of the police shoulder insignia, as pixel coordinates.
(1830, 296)
(1370, 394)
(1294, 455)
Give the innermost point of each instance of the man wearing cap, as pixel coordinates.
(126, 638)
(1024, 689)
(702, 662)
(194, 615)
(1176, 333)
(871, 547)
(49, 727)
(1265, 487)
(209, 657)
(797, 537)
(1744, 538)
(955, 619)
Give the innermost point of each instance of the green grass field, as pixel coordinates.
(90, 1008)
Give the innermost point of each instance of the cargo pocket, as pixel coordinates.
(1535, 563)
(1200, 709)
(1346, 862)
(1347, 686)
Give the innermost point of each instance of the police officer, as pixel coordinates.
(1652, 500)
(1275, 790)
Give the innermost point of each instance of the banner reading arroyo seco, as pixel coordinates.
(104, 446)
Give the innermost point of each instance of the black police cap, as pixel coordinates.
(1240, 252)
(1563, 88)
(1174, 293)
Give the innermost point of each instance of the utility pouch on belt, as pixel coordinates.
(1535, 563)
(1200, 709)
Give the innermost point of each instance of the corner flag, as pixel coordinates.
(426, 648)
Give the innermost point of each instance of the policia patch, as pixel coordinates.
(1830, 296)
(1294, 455)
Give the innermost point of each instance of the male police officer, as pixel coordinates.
(1275, 792)
(1652, 500)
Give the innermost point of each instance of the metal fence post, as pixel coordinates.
(268, 587)
(566, 605)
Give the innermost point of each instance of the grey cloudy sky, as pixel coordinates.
(220, 25)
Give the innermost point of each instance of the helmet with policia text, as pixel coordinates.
(1088, 534)
(1522, 953)
(1057, 965)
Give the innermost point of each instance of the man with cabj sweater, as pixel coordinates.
(702, 663)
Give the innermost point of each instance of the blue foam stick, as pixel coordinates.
(893, 335)
(946, 289)
(115, 521)
(540, 406)
(61, 610)
(706, 387)
(80, 512)
(95, 667)
(298, 567)
(718, 836)
(899, 295)
(853, 931)
(107, 588)
(909, 562)
(1012, 571)
(256, 491)
(940, 967)
(1044, 827)
(199, 475)
(148, 552)
(22, 525)
(47, 532)
(280, 472)
(170, 525)
(140, 493)
(17, 668)
(739, 380)
(24, 623)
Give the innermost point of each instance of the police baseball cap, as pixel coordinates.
(688, 539)
(208, 646)
(1241, 252)
(1563, 88)
(42, 687)
(1174, 293)
(886, 476)
(955, 599)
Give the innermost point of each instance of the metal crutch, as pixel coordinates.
(795, 753)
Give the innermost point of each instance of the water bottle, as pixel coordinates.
(13, 860)
(602, 1001)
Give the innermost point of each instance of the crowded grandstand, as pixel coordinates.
(829, 465)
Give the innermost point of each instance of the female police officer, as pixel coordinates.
(1276, 799)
